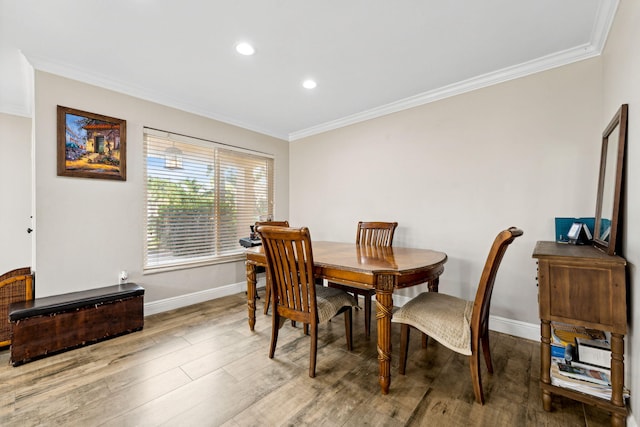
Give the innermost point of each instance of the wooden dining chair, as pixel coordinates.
(267, 285)
(295, 295)
(460, 325)
(371, 234)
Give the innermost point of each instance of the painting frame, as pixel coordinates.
(91, 145)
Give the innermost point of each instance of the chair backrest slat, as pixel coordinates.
(375, 233)
(290, 267)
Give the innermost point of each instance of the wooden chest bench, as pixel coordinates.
(44, 326)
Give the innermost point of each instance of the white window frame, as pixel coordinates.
(184, 227)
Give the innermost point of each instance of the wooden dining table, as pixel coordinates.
(384, 269)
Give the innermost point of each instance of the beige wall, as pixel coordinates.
(15, 192)
(621, 65)
(88, 230)
(455, 172)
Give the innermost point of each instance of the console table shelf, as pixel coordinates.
(583, 286)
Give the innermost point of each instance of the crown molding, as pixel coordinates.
(52, 66)
(603, 22)
(500, 76)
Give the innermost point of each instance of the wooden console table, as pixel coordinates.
(583, 286)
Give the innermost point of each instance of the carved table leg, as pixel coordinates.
(545, 361)
(251, 293)
(384, 307)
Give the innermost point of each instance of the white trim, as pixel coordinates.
(544, 63)
(50, 65)
(180, 301)
(603, 22)
(222, 259)
(529, 331)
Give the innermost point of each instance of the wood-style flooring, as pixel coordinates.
(201, 366)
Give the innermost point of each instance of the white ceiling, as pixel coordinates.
(369, 57)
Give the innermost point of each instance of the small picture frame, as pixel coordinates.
(579, 234)
(91, 145)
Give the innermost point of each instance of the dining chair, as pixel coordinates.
(374, 233)
(295, 295)
(460, 325)
(267, 286)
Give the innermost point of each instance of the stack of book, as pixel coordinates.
(588, 369)
(583, 378)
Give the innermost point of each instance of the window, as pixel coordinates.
(201, 197)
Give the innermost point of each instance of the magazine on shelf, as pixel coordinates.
(581, 364)
(584, 374)
(586, 387)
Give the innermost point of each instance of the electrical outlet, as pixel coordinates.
(123, 277)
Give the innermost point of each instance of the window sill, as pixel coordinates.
(194, 264)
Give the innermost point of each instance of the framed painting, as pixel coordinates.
(91, 145)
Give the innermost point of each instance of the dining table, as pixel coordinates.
(384, 269)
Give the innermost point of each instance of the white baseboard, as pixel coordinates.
(499, 324)
(530, 331)
(160, 306)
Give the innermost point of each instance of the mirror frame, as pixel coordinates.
(619, 125)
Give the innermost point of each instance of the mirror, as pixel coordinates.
(610, 182)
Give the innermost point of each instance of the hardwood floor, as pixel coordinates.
(201, 366)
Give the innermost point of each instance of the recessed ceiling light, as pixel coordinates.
(309, 84)
(245, 49)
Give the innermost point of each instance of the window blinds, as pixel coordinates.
(201, 197)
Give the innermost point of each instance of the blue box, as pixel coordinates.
(564, 224)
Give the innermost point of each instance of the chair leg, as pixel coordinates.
(348, 329)
(275, 327)
(425, 340)
(367, 315)
(404, 347)
(267, 295)
(313, 351)
(476, 379)
(487, 352)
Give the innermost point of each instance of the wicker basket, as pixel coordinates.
(15, 286)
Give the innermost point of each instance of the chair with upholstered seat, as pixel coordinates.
(375, 233)
(460, 325)
(294, 293)
(267, 286)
